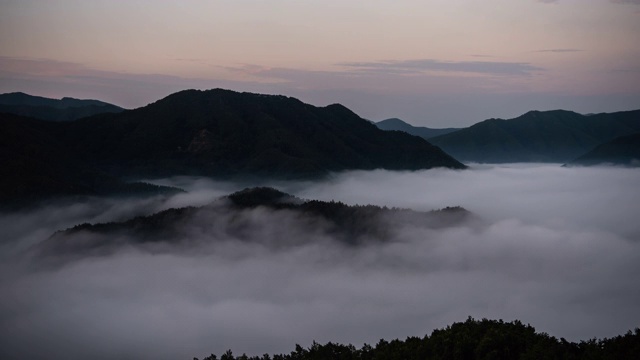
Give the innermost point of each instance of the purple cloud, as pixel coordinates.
(559, 50)
(637, 2)
(430, 65)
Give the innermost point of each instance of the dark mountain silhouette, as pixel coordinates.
(65, 109)
(423, 132)
(549, 136)
(216, 133)
(37, 166)
(623, 150)
(223, 133)
(227, 218)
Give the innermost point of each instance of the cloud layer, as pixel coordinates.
(559, 249)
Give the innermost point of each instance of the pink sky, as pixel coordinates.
(432, 63)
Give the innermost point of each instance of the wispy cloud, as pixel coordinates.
(482, 56)
(568, 50)
(628, 70)
(637, 2)
(404, 76)
(431, 65)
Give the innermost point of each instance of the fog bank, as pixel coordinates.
(559, 249)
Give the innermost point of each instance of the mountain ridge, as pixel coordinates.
(537, 136)
(230, 217)
(215, 132)
(65, 109)
(623, 150)
(421, 131)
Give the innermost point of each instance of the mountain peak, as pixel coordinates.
(557, 112)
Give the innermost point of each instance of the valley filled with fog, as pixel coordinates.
(555, 247)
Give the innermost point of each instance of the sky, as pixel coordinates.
(436, 63)
(547, 245)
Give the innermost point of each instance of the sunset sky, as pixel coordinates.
(436, 63)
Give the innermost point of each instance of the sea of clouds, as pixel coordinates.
(555, 247)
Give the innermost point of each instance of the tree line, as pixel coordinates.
(469, 340)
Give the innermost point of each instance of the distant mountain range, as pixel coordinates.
(216, 133)
(227, 218)
(623, 150)
(423, 132)
(225, 134)
(537, 136)
(65, 109)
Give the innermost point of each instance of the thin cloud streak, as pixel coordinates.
(559, 50)
(428, 65)
(636, 2)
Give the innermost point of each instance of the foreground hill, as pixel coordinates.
(225, 134)
(469, 340)
(623, 150)
(549, 136)
(65, 109)
(37, 166)
(262, 214)
(423, 132)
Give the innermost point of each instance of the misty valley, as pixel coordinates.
(217, 222)
(258, 271)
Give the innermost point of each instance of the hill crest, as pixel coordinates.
(537, 136)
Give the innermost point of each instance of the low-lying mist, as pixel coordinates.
(557, 247)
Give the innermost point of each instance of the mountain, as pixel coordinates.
(423, 132)
(222, 133)
(253, 214)
(216, 133)
(65, 109)
(548, 136)
(37, 166)
(623, 150)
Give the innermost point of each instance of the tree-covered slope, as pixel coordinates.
(254, 214)
(37, 166)
(549, 136)
(623, 150)
(470, 340)
(65, 109)
(225, 133)
(421, 131)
